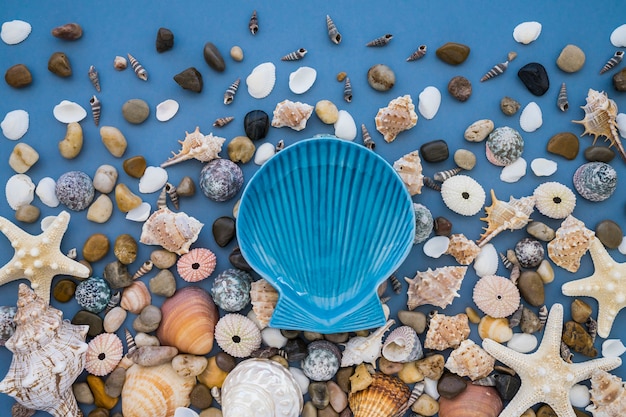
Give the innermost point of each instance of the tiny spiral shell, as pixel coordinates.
(196, 265)
(615, 59)
(419, 53)
(93, 77)
(333, 33)
(140, 71)
(496, 70)
(295, 55)
(347, 90)
(223, 121)
(561, 101)
(380, 41)
(367, 138)
(431, 183)
(253, 24)
(229, 94)
(96, 109)
(144, 269)
(172, 192)
(441, 176)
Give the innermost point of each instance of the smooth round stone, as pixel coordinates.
(105, 178)
(213, 57)
(609, 233)
(125, 199)
(186, 187)
(465, 159)
(18, 76)
(223, 230)
(163, 259)
(387, 367)
(190, 79)
(135, 111)
(114, 319)
(241, 149)
(221, 179)
(599, 154)
(343, 378)
(164, 40)
(460, 88)
(435, 151)
(535, 78)
(116, 274)
(327, 111)
(64, 290)
(442, 226)
(75, 190)
(540, 231)
(290, 334)
(529, 252)
(238, 261)
(163, 284)
(507, 386)
(619, 80)
(90, 319)
(225, 362)
(135, 166)
(338, 398)
(100, 210)
(68, 31)
(96, 247)
(595, 181)
(125, 249)
(509, 106)
(450, 385)
(320, 397)
(337, 337)
(453, 53)
(381, 78)
(59, 64)
(27, 213)
(115, 382)
(571, 59)
(565, 144)
(148, 320)
(414, 319)
(256, 124)
(236, 53)
(82, 392)
(200, 396)
(580, 310)
(295, 349)
(531, 288)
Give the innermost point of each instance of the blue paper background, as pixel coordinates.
(116, 28)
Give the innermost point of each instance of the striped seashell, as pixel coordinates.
(416, 392)
(113, 302)
(131, 346)
(561, 100)
(505, 261)
(543, 315)
(253, 25)
(592, 328)
(367, 138)
(380, 41)
(385, 396)
(496, 70)
(611, 63)
(402, 345)
(347, 90)
(144, 269)
(396, 285)
(431, 183)
(441, 176)
(566, 353)
(295, 55)
(488, 381)
(470, 360)
(104, 352)
(223, 121)
(96, 108)
(172, 192)
(196, 265)
(229, 95)
(333, 33)
(93, 77)
(162, 200)
(419, 53)
(135, 297)
(140, 71)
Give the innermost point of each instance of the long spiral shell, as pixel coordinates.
(144, 269)
(543, 315)
(162, 200)
(347, 90)
(441, 176)
(96, 108)
(431, 183)
(253, 25)
(380, 41)
(130, 342)
(172, 192)
(419, 53)
(505, 261)
(367, 138)
(93, 77)
(333, 33)
(223, 121)
(615, 59)
(295, 55)
(140, 71)
(561, 100)
(113, 302)
(396, 285)
(566, 354)
(496, 70)
(229, 95)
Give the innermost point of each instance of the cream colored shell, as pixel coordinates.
(607, 395)
(291, 114)
(197, 146)
(437, 287)
(175, 232)
(263, 298)
(446, 331)
(572, 241)
(470, 360)
(462, 249)
(409, 168)
(502, 215)
(397, 117)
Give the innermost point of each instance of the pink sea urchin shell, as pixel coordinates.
(104, 352)
(496, 296)
(196, 265)
(237, 335)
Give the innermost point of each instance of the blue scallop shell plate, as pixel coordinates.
(325, 221)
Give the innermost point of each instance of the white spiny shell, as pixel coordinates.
(446, 331)
(402, 345)
(409, 168)
(361, 349)
(398, 116)
(502, 215)
(261, 80)
(68, 111)
(302, 79)
(197, 146)
(167, 109)
(175, 232)
(462, 249)
(291, 114)
(15, 31)
(19, 191)
(436, 287)
(429, 102)
(570, 244)
(470, 360)
(263, 298)
(526, 32)
(15, 124)
(607, 394)
(554, 200)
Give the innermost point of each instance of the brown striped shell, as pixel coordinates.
(385, 397)
(397, 117)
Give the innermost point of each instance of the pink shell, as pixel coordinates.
(196, 265)
(104, 352)
(496, 296)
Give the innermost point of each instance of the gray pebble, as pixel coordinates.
(82, 392)
(540, 231)
(465, 159)
(135, 111)
(163, 284)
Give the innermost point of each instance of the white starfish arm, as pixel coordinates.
(578, 288)
(583, 370)
(606, 317)
(509, 357)
(10, 230)
(551, 341)
(599, 254)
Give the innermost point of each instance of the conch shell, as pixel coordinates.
(197, 146)
(385, 396)
(398, 116)
(437, 287)
(462, 249)
(263, 298)
(48, 356)
(409, 168)
(261, 388)
(501, 215)
(607, 394)
(361, 349)
(175, 232)
(470, 360)
(572, 241)
(292, 114)
(446, 331)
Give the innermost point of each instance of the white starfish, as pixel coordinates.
(546, 377)
(39, 258)
(607, 285)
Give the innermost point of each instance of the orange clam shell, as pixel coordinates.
(474, 401)
(385, 397)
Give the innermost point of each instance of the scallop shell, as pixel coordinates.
(361, 349)
(385, 396)
(496, 296)
(402, 345)
(554, 200)
(237, 335)
(436, 287)
(446, 331)
(260, 387)
(501, 216)
(398, 116)
(196, 265)
(526, 32)
(409, 167)
(15, 124)
(462, 249)
(175, 232)
(68, 111)
(104, 352)
(292, 114)
(197, 146)
(166, 109)
(263, 298)
(470, 360)
(302, 79)
(261, 80)
(607, 395)
(48, 356)
(15, 31)
(155, 391)
(463, 195)
(570, 244)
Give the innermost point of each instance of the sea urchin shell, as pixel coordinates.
(496, 296)
(104, 352)
(554, 200)
(237, 335)
(196, 265)
(463, 195)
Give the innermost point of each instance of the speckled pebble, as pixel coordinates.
(318, 392)
(509, 106)
(241, 149)
(609, 233)
(163, 284)
(465, 159)
(221, 180)
(380, 77)
(460, 88)
(96, 247)
(163, 259)
(479, 130)
(64, 290)
(75, 190)
(27, 213)
(541, 231)
(125, 249)
(117, 275)
(135, 111)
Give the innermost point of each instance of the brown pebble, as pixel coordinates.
(343, 378)
(27, 213)
(509, 106)
(577, 339)
(59, 64)
(337, 337)
(465, 159)
(201, 396)
(546, 411)
(414, 319)
(125, 199)
(580, 310)
(98, 412)
(211, 412)
(135, 166)
(186, 187)
(241, 149)
(18, 76)
(460, 88)
(96, 247)
(341, 76)
(225, 362)
(565, 144)
(431, 366)
(450, 385)
(453, 53)
(609, 233)
(338, 398)
(90, 319)
(125, 249)
(443, 226)
(64, 290)
(619, 80)
(599, 154)
(68, 31)
(388, 367)
(163, 284)
(531, 288)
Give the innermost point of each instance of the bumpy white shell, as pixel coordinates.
(302, 79)
(446, 331)
(398, 116)
(261, 80)
(15, 31)
(292, 114)
(462, 249)
(402, 345)
(572, 241)
(607, 394)
(68, 111)
(436, 287)
(470, 360)
(361, 349)
(263, 298)
(175, 232)
(554, 200)
(15, 124)
(261, 388)
(409, 167)
(463, 195)
(197, 146)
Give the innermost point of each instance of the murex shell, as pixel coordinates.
(470, 360)
(197, 146)
(292, 114)
(48, 356)
(501, 215)
(361, 349)
(409, 167)
(437, 287)
(570, 244)
(263, 298)
(607, 395)
(446, 331)
(398, 116)
(386, 396)
(175, 232)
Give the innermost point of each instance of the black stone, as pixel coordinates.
(225, 362)
(116, 274)
(507, 386)
(535, 78)
(236, 259)
(256, 124)
(450, 385)
(223, 230)
(190, 79)
(213, 57)
(90, 319)
(164, 40)
(599, 154)
(295, 350)
(443, 226)
(435, 151)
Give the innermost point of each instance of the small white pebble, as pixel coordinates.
(486, 263)
(579, 396)
(436, 246)
(543, 167)
(429, 101)
(430, 388)
(613, 348)
(515, 171)
(522, 342)
(273, 338)
(264, 153)
(300, 378)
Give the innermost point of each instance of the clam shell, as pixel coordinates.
(402, 345)
(261, 80)
(385, 396)
(139, 213)
(135, 297)
(618, 36)
(152, 180)
(531, 117)
(19, 190)
(302, 79)
(167, 109)
(15, 124)
(429, 102)
(68, 111)
(526, 32)
(475, 400)
(345, 126)
(15, 31)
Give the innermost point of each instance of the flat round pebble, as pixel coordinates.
(435, 151)
(100, 211)
(135, 111)
(241, 149)
(609, 233)
(163, 259)
(125, 248)
(453, 53)
(460, 88)
(565, 144)
(571, 59)
(64, 290)
(380, 77)
(200, 396)
(531, 288)
(225, 362)
(82, 392)
(256, 124)
(96, 247)
(327, 111)
(18, 76)
(27, 213)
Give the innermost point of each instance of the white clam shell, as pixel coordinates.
(429, 102)
(513, 172)
(15, 31)
(19, 191)
(430, 388)
(46, 191)
(152, 180)
(618, 36)
(531, 117)
(68, 111)
(261, 80)
(526, 32)
(621, 124)
(579, 396)
(613, 348)
(272, 337)
(185, 412)
(345, 127)
(436, 246)
(140, 213)
(543, 167)
(622, 246)
(264, 153)
(302, 79)
(486, 263)
(15, 124)
(522, 342)
(166, 109)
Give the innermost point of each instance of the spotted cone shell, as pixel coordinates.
(385, 396)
